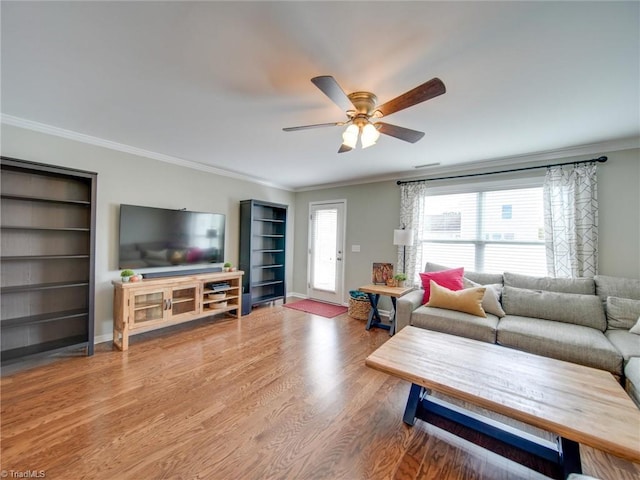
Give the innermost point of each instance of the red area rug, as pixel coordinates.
(317, 308)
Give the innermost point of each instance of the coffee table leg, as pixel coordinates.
(566, 454)
(569, 456)
(415, 395)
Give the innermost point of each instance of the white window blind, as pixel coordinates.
(487, 231)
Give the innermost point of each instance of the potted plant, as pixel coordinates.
(226, 267)
(126, 275)
(400, 279)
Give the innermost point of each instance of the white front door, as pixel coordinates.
(326, 249)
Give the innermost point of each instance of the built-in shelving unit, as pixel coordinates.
(263, 227)
(47, 240)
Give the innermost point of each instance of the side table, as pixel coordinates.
(374, 292)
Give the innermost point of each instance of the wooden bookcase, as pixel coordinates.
(154, 303)
(263, 227)
(47, 252)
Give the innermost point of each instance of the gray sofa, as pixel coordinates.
(583, 320)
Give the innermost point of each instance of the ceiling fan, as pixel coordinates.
(361, 108)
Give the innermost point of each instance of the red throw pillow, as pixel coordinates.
(451, 279)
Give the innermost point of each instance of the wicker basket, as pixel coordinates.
(359, 308)
(217, 305)
(217, 296)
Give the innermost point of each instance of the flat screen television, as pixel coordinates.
(159, 237)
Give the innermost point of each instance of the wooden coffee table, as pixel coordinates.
(576, 403)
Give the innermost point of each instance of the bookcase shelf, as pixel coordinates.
(263, 227)
(55, 229)
(41, 286)
(47, 236)
(31, 198)
(43, 257)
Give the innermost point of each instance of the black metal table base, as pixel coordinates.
(375, 320)
(565, 453)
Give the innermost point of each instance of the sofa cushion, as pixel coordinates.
(434, 267)
(468, 300)
(573, 308)
(481, 278)
(456, 323)
(563, 341)
(622, 313)
(451, 279)
(617, 287)
(491, 299)
(584, 286)
(484, 278)
(632, 372)
(627, 343)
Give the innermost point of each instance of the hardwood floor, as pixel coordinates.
(279, 394)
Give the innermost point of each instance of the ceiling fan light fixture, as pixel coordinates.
(350, 136)
(365, 108)
(370, 135)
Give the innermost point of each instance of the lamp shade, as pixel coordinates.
(369, 136)
(350, 136)
(403, 237)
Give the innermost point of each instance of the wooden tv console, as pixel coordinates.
(155, 303)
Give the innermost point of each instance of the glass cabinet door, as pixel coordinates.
(183, 300)
(148, 307)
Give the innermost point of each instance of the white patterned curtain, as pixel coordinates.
(412, 216)
(571, 221)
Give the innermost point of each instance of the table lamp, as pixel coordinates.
(403, 237)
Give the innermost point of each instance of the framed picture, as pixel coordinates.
(381, 273)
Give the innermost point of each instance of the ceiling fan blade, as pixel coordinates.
(421, 93)
(406, 134)
(317, 125)
(344, 148)
(331, 89)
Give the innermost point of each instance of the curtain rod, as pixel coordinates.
(593, 160)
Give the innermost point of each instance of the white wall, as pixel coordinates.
(125, 178)
(619, 214)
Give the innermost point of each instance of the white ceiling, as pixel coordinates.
(214, 82)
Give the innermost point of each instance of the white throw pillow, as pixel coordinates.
(636, 328)
(491, 299)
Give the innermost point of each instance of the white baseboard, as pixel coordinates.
(107, 337)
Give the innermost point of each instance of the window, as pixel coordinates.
(325, 245)
(485, 231)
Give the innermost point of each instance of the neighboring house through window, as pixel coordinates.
(484, 227)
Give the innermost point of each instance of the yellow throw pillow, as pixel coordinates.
(468, 300)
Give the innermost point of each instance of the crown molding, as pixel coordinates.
(458, 168)
(601, 148)
(120, 147)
